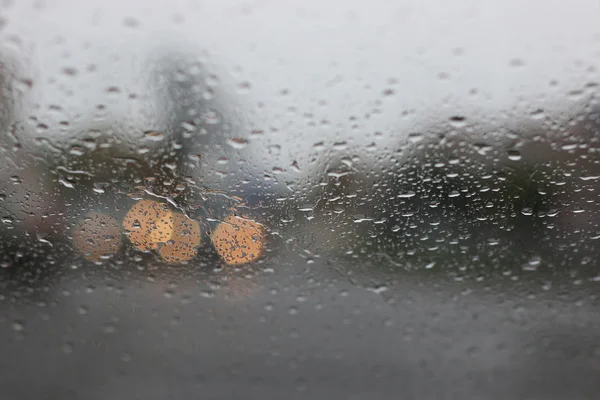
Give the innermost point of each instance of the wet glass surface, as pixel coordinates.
(317, 199)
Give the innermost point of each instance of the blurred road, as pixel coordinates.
(300, 331)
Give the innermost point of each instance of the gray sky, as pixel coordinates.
(340, 52)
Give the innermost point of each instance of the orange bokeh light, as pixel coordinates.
(152, 226)
(239, 240)
(147, 224)
(184, 239)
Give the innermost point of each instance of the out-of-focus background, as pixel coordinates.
(411, 189)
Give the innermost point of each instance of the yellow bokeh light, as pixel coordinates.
(147, 223)
(152, 226)
(98, 235)
(239, 240)
(183, 241)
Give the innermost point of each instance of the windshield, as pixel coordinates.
(316, 199)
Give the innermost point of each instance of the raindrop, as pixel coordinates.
(569, 146)
(99, 187)
(154, 136)
(458, 121)
(482, 148)
(238, 143)
(379, 289)
(533, 263)
(406, 195)
(274, 149)
(70, 71)
(41, 128)
(319, 146)
(340, 146)
(76, 151)
(538, 114)
(211, 117)
(415, 137)
(66, 183)
(514, 155)
(243, 87)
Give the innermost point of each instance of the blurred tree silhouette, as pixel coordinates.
(460, 201)
(480, 196)
(102, 166)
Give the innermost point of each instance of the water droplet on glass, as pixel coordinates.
(318, 146)
(514, 155)
(458, 121)
(533, 263)
(154, 136)
(243, 87)
(76, 151)
(238, 143)
(69, 71)
(415, 137)
(99, 187)
(482, 148)
(306, 208)
(538, 114)
(340, 146)
(66, 183)
(406, 195)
